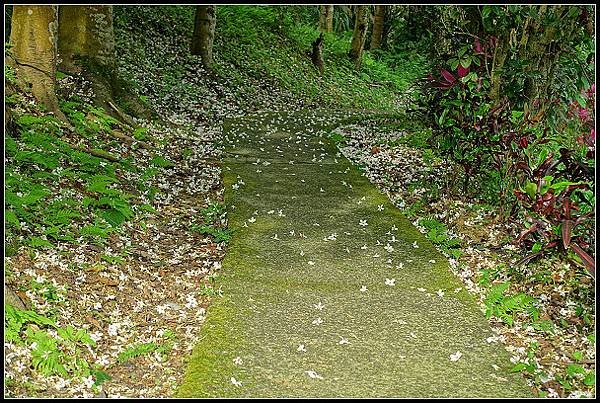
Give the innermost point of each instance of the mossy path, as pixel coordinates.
(327, 289)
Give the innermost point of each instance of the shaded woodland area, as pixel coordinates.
(477, 121)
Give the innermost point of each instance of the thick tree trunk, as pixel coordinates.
(86, 38)
(33, 40)
(326, 19)
(359, 35)
(378, 23)
(204, 33)
(86, 44)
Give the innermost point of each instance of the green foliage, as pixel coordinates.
(208, 291)
(100, 377)
(220, 235)
(16, 319)
(161, 162)
(96, 232)
(136, 350)
(62, 354)
(214, 212)
(338, 138)
(506, 307)
(437, 233)
(39, 158)
(530, 364)
(267, 45)
(140, 133)
(110, 259)
(140, 349)
(518, 155)
(575, 373)
(10, 75)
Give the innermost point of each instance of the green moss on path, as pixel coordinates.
(299, 252)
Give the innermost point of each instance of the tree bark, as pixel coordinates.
(204, 34)
(326, 19)
(33, 39)
(500, 55)
(541, 48)
(359, 35)
(378, 23)
(86, 44)
(86, 38)
(317, 54)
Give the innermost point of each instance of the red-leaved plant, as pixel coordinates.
(553, 210)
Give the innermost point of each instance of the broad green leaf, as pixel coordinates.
(519, 367)
(114, 217)
(530, 189)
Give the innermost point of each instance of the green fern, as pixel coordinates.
(49, 355)
(161, 162)
(136, 350)
(438, 234)
(213, 212)
(506, 307)
(15, 319)
(220, 235)
(37, 242)
(95, 231)
(46, 357)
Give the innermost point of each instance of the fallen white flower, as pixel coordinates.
(313, 375)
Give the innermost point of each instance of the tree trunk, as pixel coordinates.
(204, 33)
(317, 53)
(326, 19)
(500, 55)
(359, 35)
(33, 40)
(86, 44)
(86, 38)
(329, 21)
(378, 22)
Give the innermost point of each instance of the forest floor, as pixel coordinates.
(143, 293)
(144, 342)
(327, 289)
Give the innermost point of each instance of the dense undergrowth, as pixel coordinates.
(261, 62)
(75, 196)
(80, 196)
